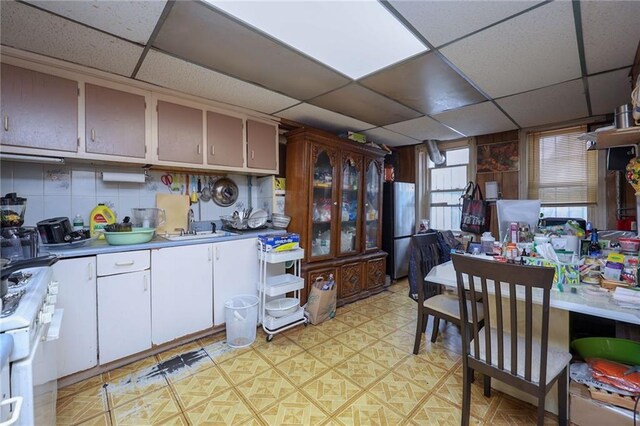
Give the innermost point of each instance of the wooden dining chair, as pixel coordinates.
(499, 351)
(439, 306)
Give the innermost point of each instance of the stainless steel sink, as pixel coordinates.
(199, 235)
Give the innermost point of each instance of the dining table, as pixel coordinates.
(577, 298)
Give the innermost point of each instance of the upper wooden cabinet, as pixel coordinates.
(224, 140)
(38, 110)
(180, 133)
(262, 145)
(115, 122)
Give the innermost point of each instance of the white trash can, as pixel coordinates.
(241, 316)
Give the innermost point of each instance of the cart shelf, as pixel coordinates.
(281, 256)
(282, 284)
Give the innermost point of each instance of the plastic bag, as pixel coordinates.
(613, 373)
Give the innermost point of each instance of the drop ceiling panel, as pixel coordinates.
(27, 28)
(323, 119)
(197, 33)
(479, 119)
(173, 73)
(389, 138)
(532, 50)
(132, 20)
(363, 104)
(443, 21)
(609, 90)
(553, 104)
(611, 31)
(424, 128)
(425, 83)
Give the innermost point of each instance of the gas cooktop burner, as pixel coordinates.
(10, 302)
(19, 279)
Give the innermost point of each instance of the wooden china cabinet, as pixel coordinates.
(334, 198)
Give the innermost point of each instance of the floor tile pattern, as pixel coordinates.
(357, 369)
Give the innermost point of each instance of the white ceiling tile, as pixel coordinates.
(611, 30)
(554, 104)
(173, 73)
(532, 50)
(443, 21)
(609, 90)
(389, 138)
(27, 28)
(478, 119)
(321, 118)
(424, 128)
(133, 20)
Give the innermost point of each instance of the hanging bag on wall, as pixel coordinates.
(474, 211)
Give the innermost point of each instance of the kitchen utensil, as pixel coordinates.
(224, 192)
(167, 180)
(257, 218)
(206, 191)
(176, 208)
(148, 217)
(135, 236)
(281, 307)
(619, 350)
(12, 210)
(9, 267)
(56, 230)
(125, 226)
(19, 242)
(623, 116)
(280, 221)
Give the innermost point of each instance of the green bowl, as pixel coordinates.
(135, 236)
(619, 350)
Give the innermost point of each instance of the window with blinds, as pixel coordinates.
(561, 170)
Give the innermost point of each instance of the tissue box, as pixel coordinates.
(566, 273)
(280, 242)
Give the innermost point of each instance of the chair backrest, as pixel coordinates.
(427, 255)
(506, 281)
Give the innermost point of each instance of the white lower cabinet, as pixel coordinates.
(124, 315)
(182, 295)
(77, 346)
(235, 272)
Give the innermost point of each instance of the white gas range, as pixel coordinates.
(34, 325)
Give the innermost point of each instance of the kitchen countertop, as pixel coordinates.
(102, 247)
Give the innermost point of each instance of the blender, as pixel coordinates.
(16, 241)
(150, 217)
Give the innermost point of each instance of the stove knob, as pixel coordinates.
(48, 309)
(52, 299)
(53, 289)
(46, 317)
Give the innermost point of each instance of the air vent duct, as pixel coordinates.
(434, 153)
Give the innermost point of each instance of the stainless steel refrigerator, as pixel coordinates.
(398, 225)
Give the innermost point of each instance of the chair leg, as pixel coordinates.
(541, 397)
(563, 415)
(419, 331)
(436, 326)
(486, 381)
(467, 375)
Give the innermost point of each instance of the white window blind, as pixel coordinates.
(561, 170)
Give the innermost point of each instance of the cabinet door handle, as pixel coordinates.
(209, 251)
(199, 149)
(90, 271)
(93, 135)
(125, 263)
(252, 154)
(217, 253)
(213, 150)
(146, 283)
(6, 123)
(335, 203)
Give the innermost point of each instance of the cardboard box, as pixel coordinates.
(585, 411)
(566, 273)
(278, 243)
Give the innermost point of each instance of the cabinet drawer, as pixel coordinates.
(118, 263)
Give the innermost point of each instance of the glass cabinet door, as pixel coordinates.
(372, 204)
(349, 205)
(322, 199)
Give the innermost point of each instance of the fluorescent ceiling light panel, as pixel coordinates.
(355, 38)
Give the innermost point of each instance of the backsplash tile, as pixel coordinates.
(67, 190)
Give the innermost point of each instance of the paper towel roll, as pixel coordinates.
(135, 177)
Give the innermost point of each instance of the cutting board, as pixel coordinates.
(176, 209)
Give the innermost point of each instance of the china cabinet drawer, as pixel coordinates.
(118, 263)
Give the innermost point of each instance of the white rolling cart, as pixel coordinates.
(276, 287)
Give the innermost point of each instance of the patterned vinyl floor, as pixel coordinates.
(357, 369)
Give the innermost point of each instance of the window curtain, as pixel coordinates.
(561, 170)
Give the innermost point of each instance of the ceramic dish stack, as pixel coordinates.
(280, 221)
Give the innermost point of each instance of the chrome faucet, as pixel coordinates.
(190, 229)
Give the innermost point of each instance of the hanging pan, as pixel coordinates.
(224, 192)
